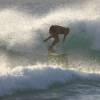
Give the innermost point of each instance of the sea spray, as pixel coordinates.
(38, 77)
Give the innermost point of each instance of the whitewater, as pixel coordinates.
(27, 72)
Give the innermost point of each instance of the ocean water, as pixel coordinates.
(27, 72)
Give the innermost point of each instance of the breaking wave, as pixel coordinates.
(21, 39)
(38, 77)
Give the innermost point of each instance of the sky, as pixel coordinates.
(40, 6)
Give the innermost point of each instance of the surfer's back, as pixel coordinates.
(56, 29)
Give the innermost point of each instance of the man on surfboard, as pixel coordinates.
(54, 32)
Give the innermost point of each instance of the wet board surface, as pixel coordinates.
(56, 54)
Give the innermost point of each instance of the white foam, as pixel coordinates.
(31, 77)
(37, 77)
(22, 32)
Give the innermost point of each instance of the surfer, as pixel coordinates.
(54, 32)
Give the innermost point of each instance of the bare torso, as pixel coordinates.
(55, 29)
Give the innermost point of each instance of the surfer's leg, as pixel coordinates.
(47, 38)
(56, 40)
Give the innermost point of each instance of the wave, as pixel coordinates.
(23, 32)
(38, 77)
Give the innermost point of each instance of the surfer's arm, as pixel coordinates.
(64, 37)
(66, 33)
(47, 38)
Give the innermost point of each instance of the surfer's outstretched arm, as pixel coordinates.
(47, 38)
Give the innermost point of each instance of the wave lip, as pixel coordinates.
(37, 77)
(32, 78)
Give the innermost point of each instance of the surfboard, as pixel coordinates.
(56, 54)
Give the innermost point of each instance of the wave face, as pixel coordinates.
(23, 32)
(23, 27)
(39, 77)
(31, 78)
